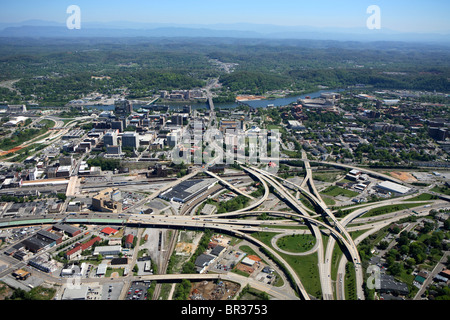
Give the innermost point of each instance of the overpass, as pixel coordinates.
(229, 185)
(342, 166)
(349, 243)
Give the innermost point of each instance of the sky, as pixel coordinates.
(398, 15)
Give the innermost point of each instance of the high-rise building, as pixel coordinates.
(118, 125)
(123, 107)
(110, 138)
(177, 119)
(172, 139)
(130, 139)
(187, 109)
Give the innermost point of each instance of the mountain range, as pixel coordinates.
(49, 29)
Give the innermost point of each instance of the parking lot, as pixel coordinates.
(112, 291)
(130, 198)
(138, 290)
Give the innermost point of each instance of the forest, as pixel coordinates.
(55, 71)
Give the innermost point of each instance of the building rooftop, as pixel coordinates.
(391, 186)
(187, 189)
(109, 230)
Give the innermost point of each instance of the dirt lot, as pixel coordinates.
(247, 269)
(404, 176)
(184, 248)
(210, 290)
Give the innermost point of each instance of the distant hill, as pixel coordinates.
(40, 29)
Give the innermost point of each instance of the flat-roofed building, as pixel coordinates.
(15, 121)
(68, 229)
(75, 293)
(187, 190)
(16, 108)
(296, 125)
(21, 274)
(108, 250)
(130, 139)
(107, 201)
(114, 150)
(110, 138)
(387, 186)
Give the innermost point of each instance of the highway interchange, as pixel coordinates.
(243, 228)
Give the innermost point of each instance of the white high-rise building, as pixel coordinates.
(110, 138)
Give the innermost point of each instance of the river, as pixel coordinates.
(252, 103)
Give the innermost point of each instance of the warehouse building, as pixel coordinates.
(43, 263)
(387, 186)
(108, 250)
(203, 261)
(43, 239)
(68, 229)
(188, 190)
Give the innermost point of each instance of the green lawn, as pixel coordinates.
(304, 266)
(334, 191)
(392, 208)
(328, 201)
(443, 190)
(297, 243)
(422, 197)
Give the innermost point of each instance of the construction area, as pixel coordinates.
(211, 290)
(403, 176)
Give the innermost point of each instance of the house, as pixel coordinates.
(445, 273)
(129, 241)
(419, 280)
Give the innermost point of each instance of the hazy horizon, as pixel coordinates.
(396, 16)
